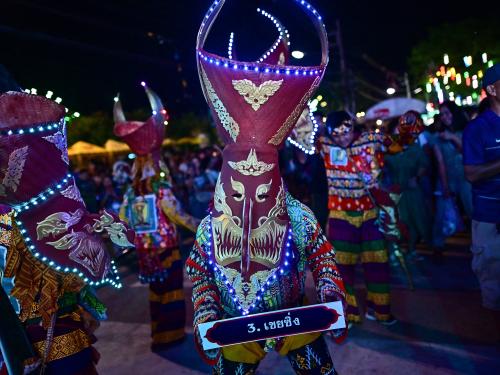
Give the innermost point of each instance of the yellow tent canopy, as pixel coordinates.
(114, 146)
(85, 148)
(182, 141)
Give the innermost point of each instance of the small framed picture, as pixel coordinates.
(143, 214)
(338, 156)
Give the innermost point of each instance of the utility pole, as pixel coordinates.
(407, 85)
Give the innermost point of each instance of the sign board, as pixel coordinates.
(295, 321)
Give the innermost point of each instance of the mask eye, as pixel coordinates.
(239, 189)
(262, 192)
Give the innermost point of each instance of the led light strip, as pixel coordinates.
(36, 129)
(230, 46)
(271, 278)
(312, 139)
(283, 32)
(231, 64)
(310, 8)
(44, 195)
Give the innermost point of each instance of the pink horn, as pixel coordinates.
(118, 114)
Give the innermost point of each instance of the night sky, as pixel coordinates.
(87, 51)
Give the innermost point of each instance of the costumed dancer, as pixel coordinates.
(353, 162)
(55, 248)
(152, 210)
(405, 163)
(251, 252)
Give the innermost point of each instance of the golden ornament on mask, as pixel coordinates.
(254, 95)
(252, 166)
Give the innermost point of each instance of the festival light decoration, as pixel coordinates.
(49, 95)
(449, 82)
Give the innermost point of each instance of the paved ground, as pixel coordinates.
(442, 328)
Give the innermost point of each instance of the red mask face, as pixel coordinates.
(249, 218)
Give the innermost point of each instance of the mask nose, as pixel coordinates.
(245, 243)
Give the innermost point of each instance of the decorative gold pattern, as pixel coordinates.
(86, 249)
(5, 235)
(57, 223)
(239, 188)
(72, 192)
(252, 166)
(64, 345)
(374, 256)
(262, 190)
(225, 118)
(172, 296)
(227, 240)
(246, 291)
(116, 231)
(355, 221)
(256, 96)
(15, 168)
(351, 299)
(379, 298)
(345, 258)
(169, 336)
(292, 119)
(36, 281)
(59, 140)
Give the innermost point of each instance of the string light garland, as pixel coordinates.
(214, 6)
(283, 34)
(289, 70)
(69, 116)
(230, 46)
(312, 148)
(40, 128)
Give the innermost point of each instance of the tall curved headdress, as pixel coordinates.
(144, 138)
(49, 210)
(255, 106)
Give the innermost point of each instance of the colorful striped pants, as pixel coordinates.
(166, 300)
(355, 237)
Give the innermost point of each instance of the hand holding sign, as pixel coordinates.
(306, 319)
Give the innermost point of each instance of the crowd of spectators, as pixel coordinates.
(432, 180)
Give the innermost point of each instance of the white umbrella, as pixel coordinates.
(394, 107)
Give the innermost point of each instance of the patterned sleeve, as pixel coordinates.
(173, 209)
(321, 259)
(319, 253)
(206, 298)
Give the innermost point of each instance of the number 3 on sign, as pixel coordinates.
(251, 328)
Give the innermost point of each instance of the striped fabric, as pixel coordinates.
(166, 300)
(366, 243)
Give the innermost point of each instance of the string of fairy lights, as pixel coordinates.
(70, 116)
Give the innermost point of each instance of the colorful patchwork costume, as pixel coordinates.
(55, 248)
(352, 225)
(251, 252)
(152, 210)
